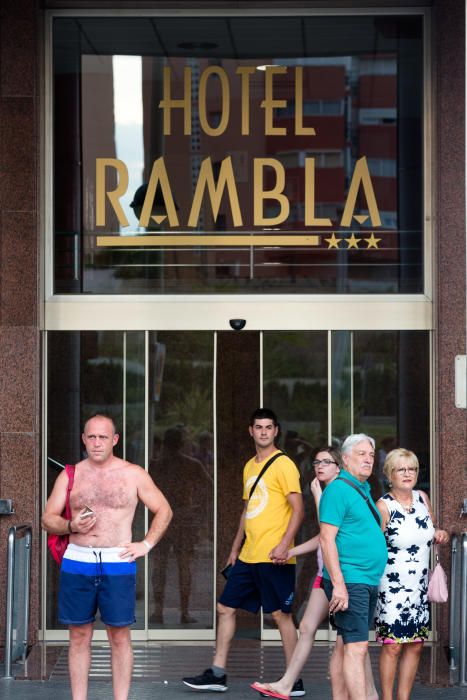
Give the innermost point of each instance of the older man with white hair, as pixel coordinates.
(355, 555)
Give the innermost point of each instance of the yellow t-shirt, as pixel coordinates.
(268, 511)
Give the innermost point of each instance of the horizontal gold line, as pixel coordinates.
(202, 240)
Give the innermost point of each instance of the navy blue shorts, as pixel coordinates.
(354, 623)
(252, 586)
(95, 578)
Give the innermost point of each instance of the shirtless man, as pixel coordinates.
(100, 547)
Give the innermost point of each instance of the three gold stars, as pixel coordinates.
(352, 242)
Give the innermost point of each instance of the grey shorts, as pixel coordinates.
(354, 623)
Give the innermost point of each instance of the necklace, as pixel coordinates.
(407, 508)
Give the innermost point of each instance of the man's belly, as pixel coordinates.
(110, 530)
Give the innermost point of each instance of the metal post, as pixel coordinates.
(452, 607)
(10, 592)
(27, 570)
(463, 609)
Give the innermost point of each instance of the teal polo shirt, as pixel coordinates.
(360, 543)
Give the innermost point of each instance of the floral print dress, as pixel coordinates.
(402, 610)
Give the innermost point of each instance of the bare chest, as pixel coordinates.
(109, 492)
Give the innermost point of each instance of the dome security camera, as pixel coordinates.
(237, 324)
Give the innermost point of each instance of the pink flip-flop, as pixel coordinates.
(264, 690)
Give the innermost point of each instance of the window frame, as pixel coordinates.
(300, 311)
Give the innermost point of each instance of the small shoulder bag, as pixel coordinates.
(437, 583)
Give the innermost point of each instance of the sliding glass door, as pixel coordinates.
(181, 401)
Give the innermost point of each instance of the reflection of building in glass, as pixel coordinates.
(217, 115)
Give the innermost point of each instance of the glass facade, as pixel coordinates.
(161, 389)
(234, 155)
(238, 155)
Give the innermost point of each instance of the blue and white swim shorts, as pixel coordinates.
(95, 578)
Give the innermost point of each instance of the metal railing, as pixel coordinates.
(17, 596)
(458, 611)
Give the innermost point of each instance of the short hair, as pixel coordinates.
(393, 457)
(261, 413)
(101, 415)
(352, 440)
(332, 450)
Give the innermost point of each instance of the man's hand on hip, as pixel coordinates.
(133, 550)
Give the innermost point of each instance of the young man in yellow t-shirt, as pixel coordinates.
(261, 574)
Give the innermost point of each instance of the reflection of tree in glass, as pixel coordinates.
(194, 408)
(186, 484)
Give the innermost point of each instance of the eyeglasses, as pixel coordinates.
(326, 462)
(406, 470)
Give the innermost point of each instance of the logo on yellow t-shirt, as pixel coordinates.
(259, 499)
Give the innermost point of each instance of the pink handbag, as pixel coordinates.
(437, 584)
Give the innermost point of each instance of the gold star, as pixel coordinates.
(333, 241)
(352, 242)
(372, 241)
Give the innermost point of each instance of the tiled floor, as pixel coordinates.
(160, 666)
(154, 661)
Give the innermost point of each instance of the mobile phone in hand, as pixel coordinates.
(87, 513)
(226, 571)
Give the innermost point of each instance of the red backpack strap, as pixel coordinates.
(70, 470)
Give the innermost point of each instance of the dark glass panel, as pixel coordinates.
(357, 81)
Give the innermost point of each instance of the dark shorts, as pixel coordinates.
(354, 623)
(94, 579)
(252, 586)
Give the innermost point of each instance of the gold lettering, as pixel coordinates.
(260, 194)
(245, 72)
(225, 109)
(158, 176)
(206, 179)
(269, 104)
(113, 195)
(300, 130)
(310, 219)
(167, 103)
(361, 175)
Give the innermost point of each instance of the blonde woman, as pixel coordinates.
(402, 610)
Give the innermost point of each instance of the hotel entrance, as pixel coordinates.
(203, 168)
(182, 400)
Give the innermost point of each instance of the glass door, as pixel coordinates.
(180, 584)
(325, 385)
(182, 400)
(159, 389)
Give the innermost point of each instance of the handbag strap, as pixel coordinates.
(70, 470)
(266, 466)
(365, 498)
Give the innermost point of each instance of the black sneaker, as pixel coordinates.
(298, 690)
(208, 681)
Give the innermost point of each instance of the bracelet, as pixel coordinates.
(69, 528)
(149, 546)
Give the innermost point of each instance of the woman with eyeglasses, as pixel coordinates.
(402, 610)
(327, 464)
